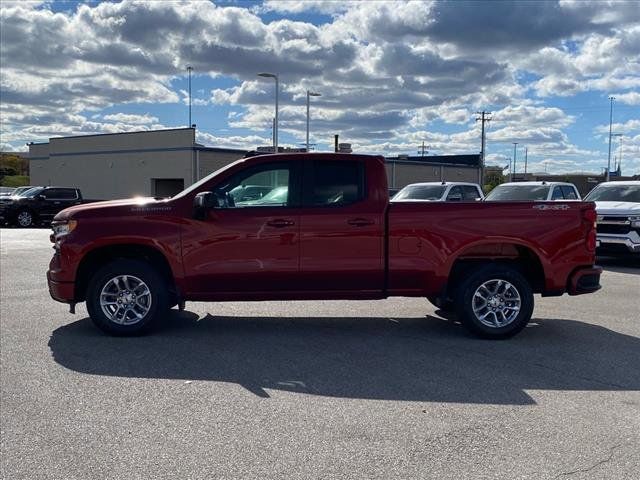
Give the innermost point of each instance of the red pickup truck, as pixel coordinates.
(324, 229)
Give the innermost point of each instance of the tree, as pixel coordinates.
(14, 170)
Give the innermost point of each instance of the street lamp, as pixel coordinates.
(611, 99)
(515, 144)
(619, 169)
(275, 135)
(309, 94)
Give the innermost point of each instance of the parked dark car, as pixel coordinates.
(37, 205)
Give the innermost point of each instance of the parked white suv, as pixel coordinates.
(439, 192)
(618, 224)
(533, 191)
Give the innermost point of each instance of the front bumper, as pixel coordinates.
(61, 291)
(585, 280)
(630, 240)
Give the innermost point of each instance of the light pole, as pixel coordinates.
(526, 158)
(515, 144)
(611, 99)
(619, 169)
(189, 69)
(275, 130)
(309, 94)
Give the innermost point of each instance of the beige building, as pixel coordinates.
(404, 170)
(121, 165)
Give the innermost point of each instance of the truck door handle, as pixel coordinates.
(360, 222)
(280, 223)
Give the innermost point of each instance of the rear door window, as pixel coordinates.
(60, 194)
(335, 183)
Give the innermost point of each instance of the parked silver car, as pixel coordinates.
(439, 192)
(618, 224)
(533, 191)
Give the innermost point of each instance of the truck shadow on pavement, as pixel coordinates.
(409, 359)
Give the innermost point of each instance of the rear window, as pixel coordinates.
(514, 193)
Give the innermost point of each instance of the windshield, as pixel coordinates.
(201, 182)
(32, 192)
(617, 193)
(420, 192)
(518, 193)
(20, 191)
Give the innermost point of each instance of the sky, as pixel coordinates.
(391, 75)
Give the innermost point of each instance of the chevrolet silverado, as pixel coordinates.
(327, 232)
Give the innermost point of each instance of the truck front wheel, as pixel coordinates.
(495, 302)
(126, 297)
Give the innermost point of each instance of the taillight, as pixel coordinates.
(590, 216)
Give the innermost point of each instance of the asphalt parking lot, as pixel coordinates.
(384, 389)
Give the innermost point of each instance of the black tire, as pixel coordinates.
(24, 218)
(444, 305)
(493, 273)
(155, 309)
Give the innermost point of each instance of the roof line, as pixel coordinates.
(123, 133)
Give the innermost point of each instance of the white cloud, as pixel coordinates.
(631, 98)
(626, 127)
(131, 118)
(249, 142)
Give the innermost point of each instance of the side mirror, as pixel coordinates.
(206, 201)
(454, 198)
(41, 197)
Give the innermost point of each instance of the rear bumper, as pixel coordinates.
(585, 280)
(61, 291)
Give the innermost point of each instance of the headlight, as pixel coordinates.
(635, 221)
(60, 229)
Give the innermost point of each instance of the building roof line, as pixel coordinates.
(121, 133)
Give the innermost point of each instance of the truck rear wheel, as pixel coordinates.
(126, 297)
(495, 302)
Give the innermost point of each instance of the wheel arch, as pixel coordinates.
(100, 256)
(517, 255)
